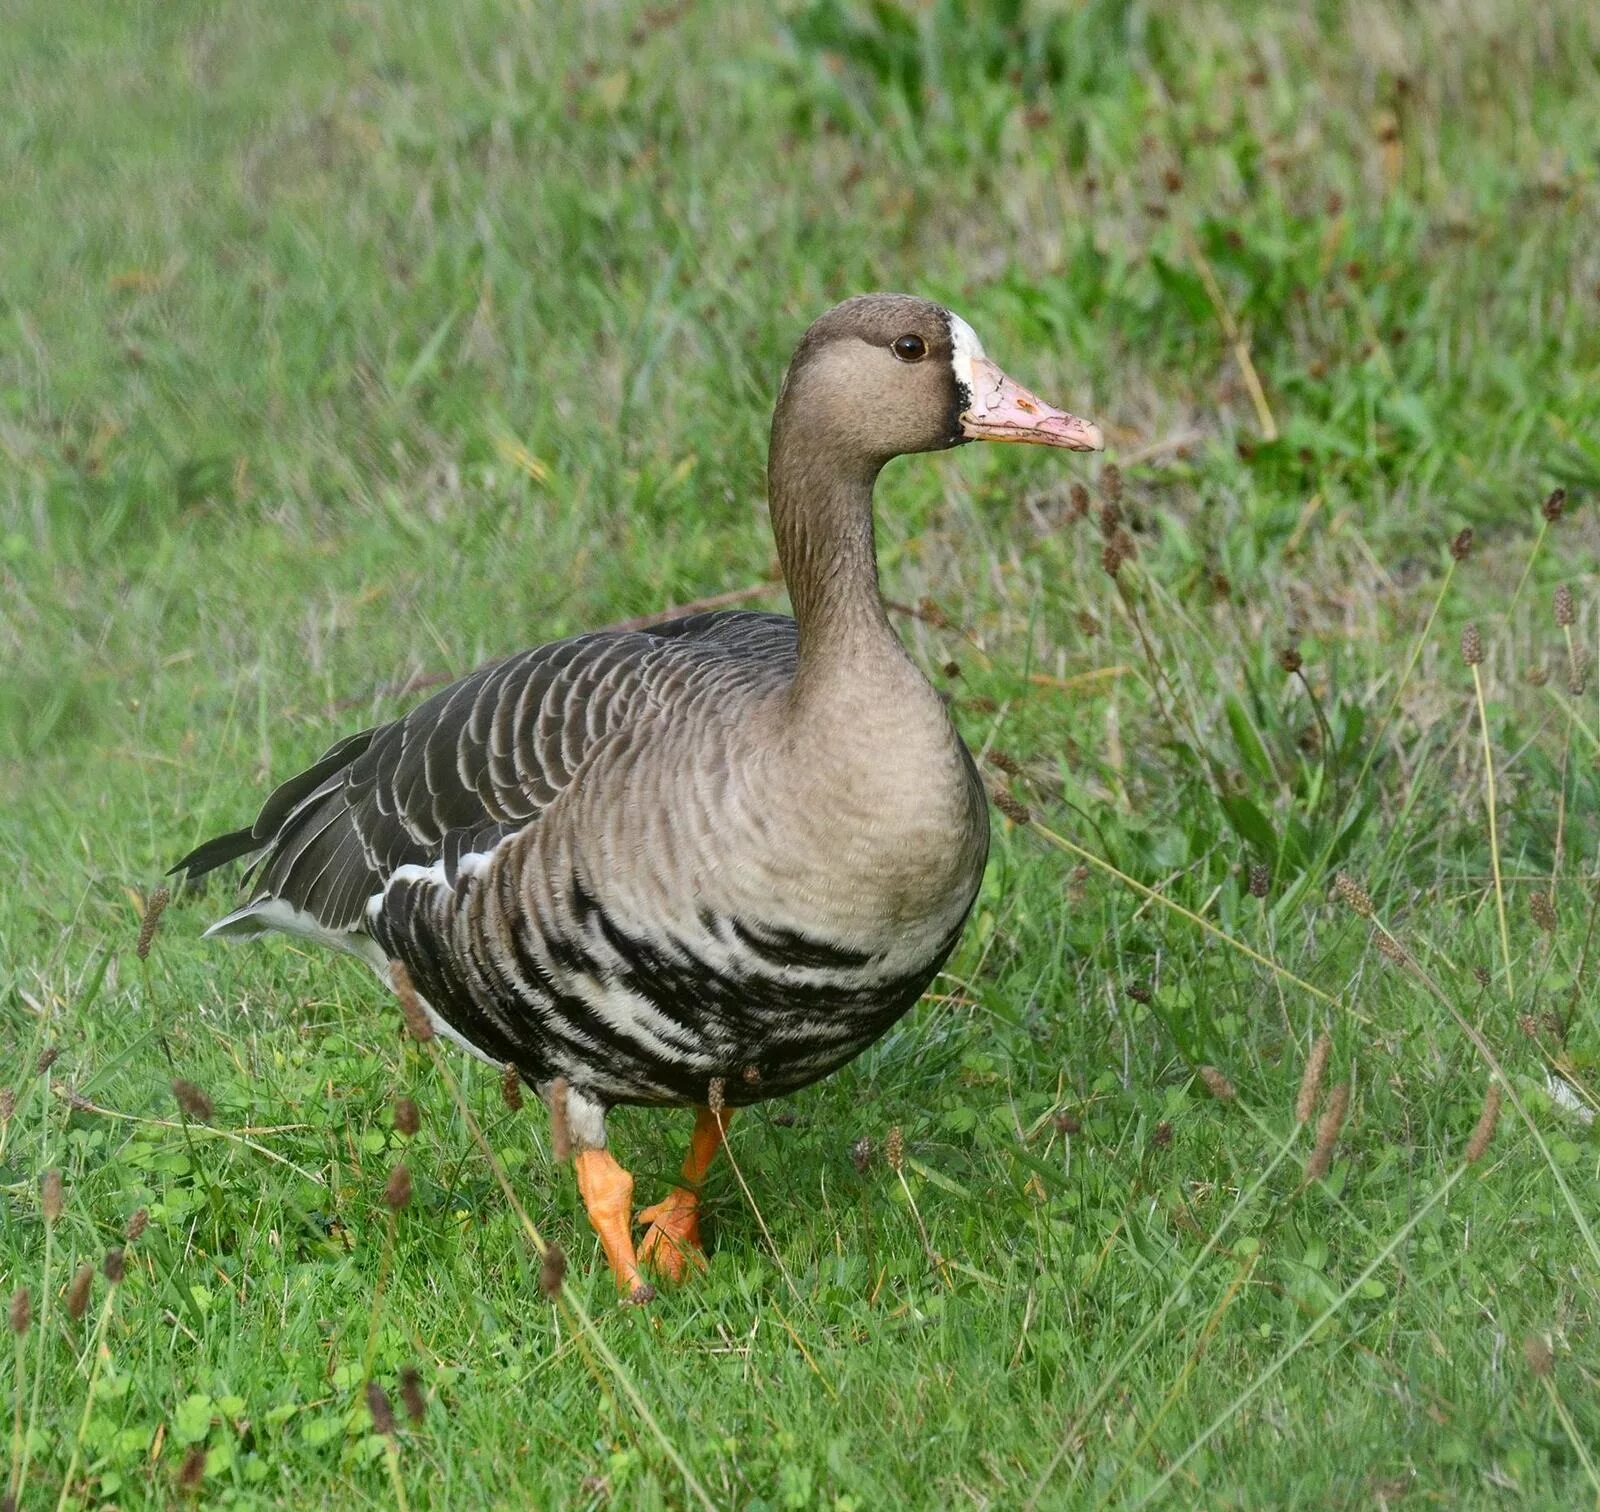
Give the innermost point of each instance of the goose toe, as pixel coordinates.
(672, 1246)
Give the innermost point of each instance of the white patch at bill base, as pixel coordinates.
(965, 350)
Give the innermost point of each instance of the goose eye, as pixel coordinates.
(910, 348)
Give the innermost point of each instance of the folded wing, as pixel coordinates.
(470, 765)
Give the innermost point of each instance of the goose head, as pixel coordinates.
(884, 375)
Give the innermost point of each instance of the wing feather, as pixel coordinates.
(473, 764)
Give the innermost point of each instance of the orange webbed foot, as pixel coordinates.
(607, 1192)
(671, 1245)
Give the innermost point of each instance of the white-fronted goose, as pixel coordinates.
(733, 848)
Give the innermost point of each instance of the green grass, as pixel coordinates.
(346, 345)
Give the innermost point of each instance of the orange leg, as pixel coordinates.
(672, 1242)
(607, 1192)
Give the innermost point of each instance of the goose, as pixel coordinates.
(701, 864)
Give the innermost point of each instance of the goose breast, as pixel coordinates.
(700, 901)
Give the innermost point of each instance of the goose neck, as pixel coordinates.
(821, 503)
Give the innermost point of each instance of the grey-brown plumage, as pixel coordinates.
(736, 846)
